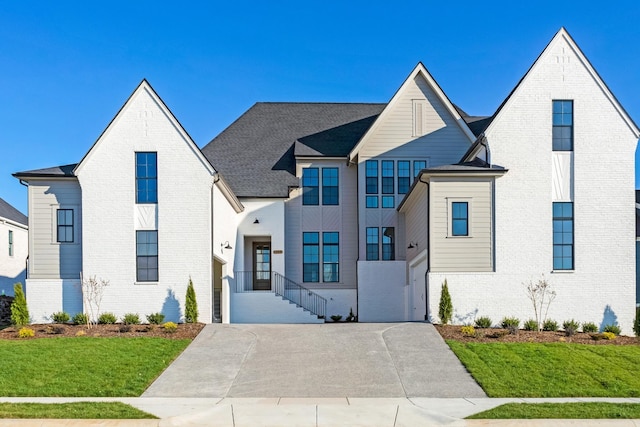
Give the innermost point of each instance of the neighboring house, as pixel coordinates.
(637, 247)
(352, 207)
(14, 249)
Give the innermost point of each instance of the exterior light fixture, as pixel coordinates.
(225, 245)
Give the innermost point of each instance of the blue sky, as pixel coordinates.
(67, 67)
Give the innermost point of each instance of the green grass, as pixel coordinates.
(87, 410)
(552, 370)
(84, 366)
(582, 410)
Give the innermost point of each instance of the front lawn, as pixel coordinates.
(68, 367)
(552, 370)
(577, 410)
(76, 410)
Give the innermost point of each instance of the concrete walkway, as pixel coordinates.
(354, 360)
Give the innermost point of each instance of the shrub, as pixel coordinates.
(614, 329)
(26, 333)
(80, 319)
(19, 311)
(125, 328)
(191, 306)
(609, 335)
(170, 327)
(155, 318)
(60, 317)
(445, 309)
(530, 325)
(107, 319)
(550, 325)
(54, 330)
(336, 317)
(483, 322)
(468, 331)
(351, 317)
(636, 322)
(589, 327)
(510, 323)
(570, 327)
(131, 319)
(81, 333)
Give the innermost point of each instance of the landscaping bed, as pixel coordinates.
(183, 331)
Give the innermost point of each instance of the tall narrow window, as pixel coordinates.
(371, 172)
(562, 125)
(147, 256)
(418, 165)
(372, 244)
(460, 219)
(310, 257)
(388, 244)
(65, 226)
(563, 236)
(330, 257)
(329, 186)
(403, 176)
(10, 242)
(310, 191)
(146, 178)
(387, 177)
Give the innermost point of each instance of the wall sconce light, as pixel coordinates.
(412, 245)
(256, 221)
(225, 245)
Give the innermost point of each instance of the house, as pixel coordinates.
(14, 253)
(298, 211)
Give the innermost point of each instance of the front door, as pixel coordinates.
(261, 266)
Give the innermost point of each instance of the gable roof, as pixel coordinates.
(256, 153)
(12, 214)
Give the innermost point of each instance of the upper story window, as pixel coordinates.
(387, 177)
(403, 176)
(146, 178)
(310, 186)
(64, 225)
(563, 236)
(562, 125)
(310, 257)
(10, 242)
(418, 165)
(459, 218)
(147, 256)
(373, 244)
(372, 176)
(329, 186)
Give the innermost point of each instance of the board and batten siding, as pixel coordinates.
(461, 253)
(48, 258)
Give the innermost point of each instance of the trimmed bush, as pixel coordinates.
(170, 327)
(131, 319)
(155, 318)
(80, 319)
(60, 317)
(636, 323)
(336, 317)
(614, 329)
(483, 322)
(570, 327)
(107, 319)
(26, 333)
(609, 335)
(191, 305)
(530, 325)
(468, 331)
(19, 311)
(589, 327)
(550, 325)
(445, 308)
(510, 323)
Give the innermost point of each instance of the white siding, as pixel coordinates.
(417, 221)
(12, 267)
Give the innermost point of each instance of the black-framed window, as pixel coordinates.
(147, 256)
(372, 201)
(563, 236)
(146, 177)
(562, 125)
(64, 225)
(329, 186)
(10, 242)
(387, 177)
(388, 243)
(310, 257)
(373, 244)
(330, 256)
(310, 186)
(418, 165)
(371, 172)
(404, 173)
(460, 218)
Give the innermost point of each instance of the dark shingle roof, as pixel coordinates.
(56, 171)
(9, 212)
(256, 153)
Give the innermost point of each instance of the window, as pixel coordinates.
(562, 125)
(372, 244)
(310, 192)
(10, 242)
(147, 256)
(371, 172)
(563, 236)
(460, 218)
(372, 201)
(388, 201)
(388, 244)
(310, 257)
(403, 176)
(418, 165)
(387, 177)
(329, 186)
(146, 178)
(330, 257)
(65, 226)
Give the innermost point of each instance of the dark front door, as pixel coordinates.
(261, 266)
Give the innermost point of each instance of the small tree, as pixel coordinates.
(92, 292)
(445, 310)
(541, 296)
(19, 311)
(191, 305)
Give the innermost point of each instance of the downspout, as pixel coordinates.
(426, 274)
(216, 178)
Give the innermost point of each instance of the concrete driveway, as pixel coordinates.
(327, 360)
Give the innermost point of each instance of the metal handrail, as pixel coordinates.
(299, 295)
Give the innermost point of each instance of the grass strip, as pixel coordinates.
(577, 410)
(84, 366)
(75, 410)
(552, 370)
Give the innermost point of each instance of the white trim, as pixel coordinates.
(469, 202)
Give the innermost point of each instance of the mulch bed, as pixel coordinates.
(185, 330)
(496, 335)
